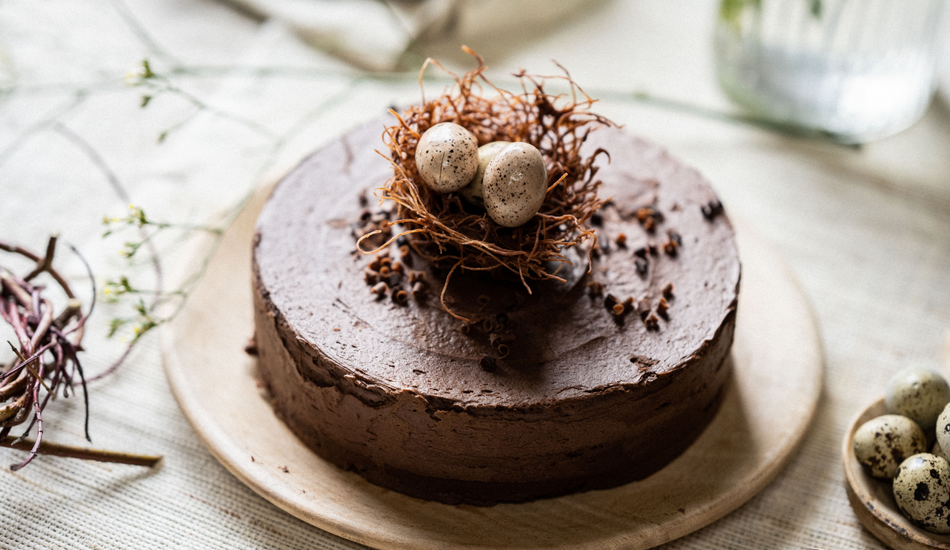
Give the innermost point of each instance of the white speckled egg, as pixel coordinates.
(447, 157)
(515, 184)
(922, 491)
(474, 192)
(937, 450)
(884, 442)
(919, 394)
(943, 430)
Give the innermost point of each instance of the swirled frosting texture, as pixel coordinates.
(396, 393)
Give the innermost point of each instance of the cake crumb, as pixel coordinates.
(418, 290)
(404, 254)
(643, 308)
(251, 347)
(662, 308)
(668, 290)
(380, 290)
(595, 288)
(400, 297)
(502, 319)
(642, 266)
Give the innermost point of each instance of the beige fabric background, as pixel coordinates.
(866, 231)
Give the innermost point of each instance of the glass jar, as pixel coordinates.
(857, 69)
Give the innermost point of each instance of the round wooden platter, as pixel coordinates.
(872, 499)
(766, 412)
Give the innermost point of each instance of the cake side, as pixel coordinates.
(487, 454)
(396, 393)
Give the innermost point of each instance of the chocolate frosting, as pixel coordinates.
(582, 401)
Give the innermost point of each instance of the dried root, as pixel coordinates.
(46, 351)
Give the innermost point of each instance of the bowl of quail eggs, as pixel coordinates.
(898, 476)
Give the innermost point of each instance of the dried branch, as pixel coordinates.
(46, 351)
(85, 453)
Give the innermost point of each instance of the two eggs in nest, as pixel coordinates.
(508, 179)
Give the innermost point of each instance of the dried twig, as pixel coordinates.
(47, 357)
(84, 453)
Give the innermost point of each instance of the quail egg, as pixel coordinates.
(515, 184)
(937, 450)
(447, 157)
(918, 394)
(922, 491)
(943, 429)
(882, 443)
(474, 191)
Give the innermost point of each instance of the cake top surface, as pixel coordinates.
(565, 342)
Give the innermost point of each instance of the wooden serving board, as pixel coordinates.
(766, 412)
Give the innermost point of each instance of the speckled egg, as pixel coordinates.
(474, 192)
(515, 184)
(937, 450)
(922, 491)
(918, 394)
(943, 430)
(447, 157)
(882, 443)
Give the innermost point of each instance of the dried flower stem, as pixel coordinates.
(84, 453)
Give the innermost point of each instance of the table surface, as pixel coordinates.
(240, 98)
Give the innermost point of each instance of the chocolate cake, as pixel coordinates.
(586, 395)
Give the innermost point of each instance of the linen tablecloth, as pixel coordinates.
(236, 100)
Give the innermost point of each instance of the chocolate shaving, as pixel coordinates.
(595, 288)
(652, 322)
(642, 266)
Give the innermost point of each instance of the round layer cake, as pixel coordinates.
(582, 398)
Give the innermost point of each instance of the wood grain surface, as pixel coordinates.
(768, 408)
